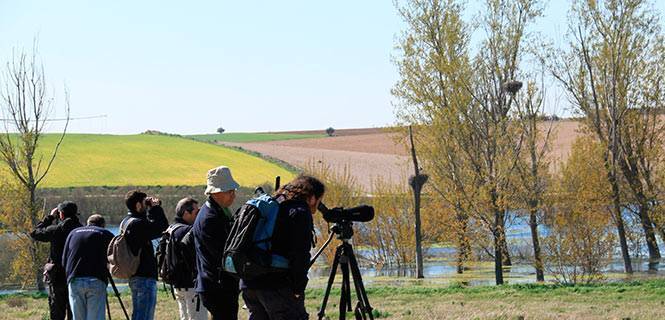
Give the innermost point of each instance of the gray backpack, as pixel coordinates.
(122, 263)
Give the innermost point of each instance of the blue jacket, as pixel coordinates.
(211, 228)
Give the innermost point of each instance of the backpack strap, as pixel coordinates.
(125, 223)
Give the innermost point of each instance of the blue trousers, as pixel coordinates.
(87, 298)
(144, 297)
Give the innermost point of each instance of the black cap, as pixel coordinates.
(68, 209)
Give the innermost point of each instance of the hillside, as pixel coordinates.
(110, 160)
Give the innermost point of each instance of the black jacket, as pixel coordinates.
(56, 234)
(292, 239)
(84, 254)
(140, 233)
(187, 267)
(211, 228)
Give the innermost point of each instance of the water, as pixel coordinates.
(440, 264)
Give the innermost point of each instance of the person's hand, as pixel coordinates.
(297, 296)
(55, 213)
(151, 202)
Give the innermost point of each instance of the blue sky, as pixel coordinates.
(191, 66)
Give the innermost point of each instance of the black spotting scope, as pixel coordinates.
(362, 213)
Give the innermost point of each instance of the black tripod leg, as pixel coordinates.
(363, 303)
(345, 299)
(331, 279)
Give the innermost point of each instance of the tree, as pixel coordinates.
(533, 177)
(27, 107)
(580, 242)
(330, 131)
(613, 74)
(416, 182)
(468, 110)
(220, 130)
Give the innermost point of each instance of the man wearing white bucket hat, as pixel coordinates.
(218, 291)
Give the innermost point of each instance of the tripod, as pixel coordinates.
(346, 260)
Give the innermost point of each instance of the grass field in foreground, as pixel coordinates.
(252, 137)
(633, 300)
(114, 160)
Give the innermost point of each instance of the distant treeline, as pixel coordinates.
(109, 201)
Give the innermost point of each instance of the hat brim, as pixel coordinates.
(212, 189)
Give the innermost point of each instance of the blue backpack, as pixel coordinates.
(248, 251)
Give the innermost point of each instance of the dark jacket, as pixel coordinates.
(292, 239)
(56, 234)
(140, 233)
(84, 254)
(186, 270)
(211, 228)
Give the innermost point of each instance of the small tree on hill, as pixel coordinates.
(330, 131)
(220, 130)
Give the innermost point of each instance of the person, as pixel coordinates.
(282, 296)
(55, 228)
(144, 222)
(218, 291)
(186, 211)
(84, 259)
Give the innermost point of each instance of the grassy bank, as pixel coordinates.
(420, 300)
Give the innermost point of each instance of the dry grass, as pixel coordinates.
(418, 300)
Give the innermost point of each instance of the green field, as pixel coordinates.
(148, 160)
(252, 137)
(419, 300)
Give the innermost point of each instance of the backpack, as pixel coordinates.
(122, 262)
(248, 251)
(169, 255)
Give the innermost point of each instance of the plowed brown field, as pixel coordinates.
(370, 153)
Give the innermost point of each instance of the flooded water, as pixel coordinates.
(440, 266)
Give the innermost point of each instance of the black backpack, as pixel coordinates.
(170, 259)
(248, 251)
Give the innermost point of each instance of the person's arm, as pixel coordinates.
(157, 222)
(300, 244)
(45, 231)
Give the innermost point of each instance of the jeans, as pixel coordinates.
(274, 304)
(87, 297)
(187, 302)
(144, 297)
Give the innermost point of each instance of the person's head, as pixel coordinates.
(187, 209)
(67, 209)
(134, 201)
(221, 187)
(96, 220)
(305, 188)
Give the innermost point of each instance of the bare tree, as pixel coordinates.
(27, 107)
(533, 169)
(417, 181)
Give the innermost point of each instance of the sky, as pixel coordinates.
(192, 66)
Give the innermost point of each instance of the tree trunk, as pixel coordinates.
(32, 206)
(417, 182)
(649, 233)
(505, 253)
(498, 261)
(419, 247)
(463, 246)
(621, 230)
(538, 262)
